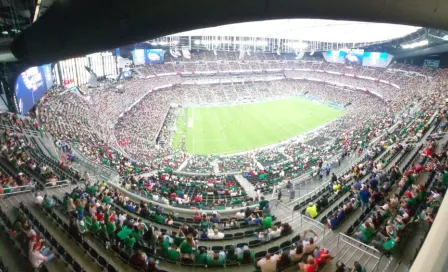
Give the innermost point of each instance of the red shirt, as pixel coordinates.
(99, 216)
(311, 268)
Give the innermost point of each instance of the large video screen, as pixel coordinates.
(31, 85)
(375, 59)
(148, 56)
(335, 56)
(354, 58)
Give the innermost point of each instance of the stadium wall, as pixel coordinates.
(432, 255)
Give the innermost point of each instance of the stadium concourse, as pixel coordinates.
(101, 181)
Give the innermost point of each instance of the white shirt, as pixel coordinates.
(240, 215)
(39, 199)
(122, 218)
(268, 265)
(36, 259)
(214, 236)
(155, 197)
(274, 234)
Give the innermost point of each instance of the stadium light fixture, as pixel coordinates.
(445, 38)
(197, 42)
(416, 44)
(5, 32)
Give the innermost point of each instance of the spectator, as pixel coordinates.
(309, 266)
(297, 253)
(311, 244)
(364, 196)
(187, 246)
(215, 235)
(38, 258)
(311, 211)
(138, 259)
(268, 263)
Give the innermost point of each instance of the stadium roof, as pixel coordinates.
(309, 30)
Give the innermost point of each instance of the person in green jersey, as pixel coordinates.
(129, 243)
(173, 253)
(365, 234)
(95, 226)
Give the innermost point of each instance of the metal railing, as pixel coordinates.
(356, 245)
(316, 224)
(22, 189)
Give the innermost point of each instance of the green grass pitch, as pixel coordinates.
(243, 127)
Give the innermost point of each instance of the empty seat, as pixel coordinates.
(295, 239)
(102, 261)
(254, 243)
(273, 250)
(285, 245)
(110, 268)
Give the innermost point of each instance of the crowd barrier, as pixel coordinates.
(355, 245)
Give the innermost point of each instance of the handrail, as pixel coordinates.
(28, 188)
(375, 253)
(315, 223)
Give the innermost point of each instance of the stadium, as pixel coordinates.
(223, 140)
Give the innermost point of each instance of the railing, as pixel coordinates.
(22, 189)
(316, 224)
(356, 245)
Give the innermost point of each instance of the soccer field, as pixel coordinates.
(238, 128)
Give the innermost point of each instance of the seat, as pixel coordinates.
(110, 268)
(77, 267)
(228, 236)
(273, 250)
(124, 256)
(285, 245)
(61, 250)
(254, 243)
(350, 230)
(93, 253)
(238, 235)
(217, 248)
(85, 246)
(187, 261)
(248, 233)
(68, 259)
(260, 254)
(102, 261)
(296, 239)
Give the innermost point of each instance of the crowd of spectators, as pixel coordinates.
(136, 145)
